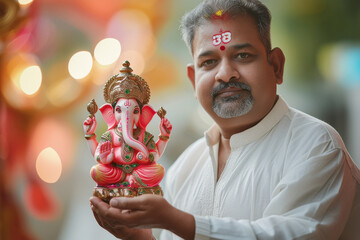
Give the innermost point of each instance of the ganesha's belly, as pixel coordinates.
(123, 158)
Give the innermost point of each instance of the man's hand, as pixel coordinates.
(106, 217)
(145, 211)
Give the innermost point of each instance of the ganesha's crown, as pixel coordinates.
(126, 85)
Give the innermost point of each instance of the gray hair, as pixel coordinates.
(198, 16)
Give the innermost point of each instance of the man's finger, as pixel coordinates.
(136, 203)
(103, 210)
(104, 224)
(99, 204)
(98, 219)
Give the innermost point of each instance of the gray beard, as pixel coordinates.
(233, 106)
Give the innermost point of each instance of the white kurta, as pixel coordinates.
(288, 177)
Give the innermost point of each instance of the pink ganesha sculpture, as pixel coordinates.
(126, 154)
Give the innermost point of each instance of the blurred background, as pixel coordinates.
(55, 56)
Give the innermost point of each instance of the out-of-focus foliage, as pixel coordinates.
(304, 27)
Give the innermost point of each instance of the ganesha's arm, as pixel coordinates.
(89, 127)
(92, 143)
(159, 148)
(155, 149)
(165, 131)
(160, 145)
(154, 156)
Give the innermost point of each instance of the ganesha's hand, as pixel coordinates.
(165, 127)
(89, 125)
(106, 152)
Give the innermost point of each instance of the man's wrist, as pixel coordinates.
(185, 230)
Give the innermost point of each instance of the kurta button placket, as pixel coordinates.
(212, 179)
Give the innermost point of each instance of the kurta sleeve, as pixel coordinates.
(313, 200)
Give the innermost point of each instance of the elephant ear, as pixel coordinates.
(147, 114)
(108, 115)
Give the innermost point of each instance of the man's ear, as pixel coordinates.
(277, 60)
(191, 73)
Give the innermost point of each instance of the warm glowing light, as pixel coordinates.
(62, 139)
(15, 93)
(80, 64)
(30, 80)
(48, 165)
(107, 51)
(134, 31)
(25, 2)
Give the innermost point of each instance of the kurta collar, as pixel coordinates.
(254, 133)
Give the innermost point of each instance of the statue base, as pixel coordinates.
(107, 193)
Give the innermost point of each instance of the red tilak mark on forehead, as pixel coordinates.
(222, 48)
(219, 15)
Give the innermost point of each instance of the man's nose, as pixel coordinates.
(227, 71)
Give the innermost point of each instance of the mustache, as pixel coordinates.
(225, 85)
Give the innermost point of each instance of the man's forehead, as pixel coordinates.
(220, 31)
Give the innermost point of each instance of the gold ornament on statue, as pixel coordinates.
(126, 85)
(161, 112)
(92, 107)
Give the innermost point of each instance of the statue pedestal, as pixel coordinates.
(107, 193)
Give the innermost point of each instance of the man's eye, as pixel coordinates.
(208, 63)
(243, 55)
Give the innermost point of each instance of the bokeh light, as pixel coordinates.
(24, 90)
(25, 2)
(56, 133)
(340, 63)
(30, 80)
(80, 64)
(16, 65)
(133, 29)
(48, 165)
(107, 51)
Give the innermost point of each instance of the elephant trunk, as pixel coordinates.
(127, 125)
